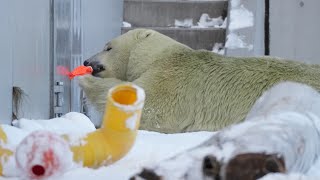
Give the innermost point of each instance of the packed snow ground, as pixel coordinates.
(150, 148)
(288, 113)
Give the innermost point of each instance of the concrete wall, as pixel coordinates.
(28, 50)
(101, 22)
(6, 52)
(31, 61)
(294, 29)
(25, 35)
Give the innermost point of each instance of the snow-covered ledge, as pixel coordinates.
(245, 28)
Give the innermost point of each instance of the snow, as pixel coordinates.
(132, 121)
(8, 163)
(224, 25)
(300, 98)
(283, 112)
(183, 23)
(235, 3)
(292, 133)
(144, 152)
(235, 41)
(76, 139)
(314, 170)
(239, 139)
(218, 48)
(240, 18)
(294, 176)
(126, 24)
(72, 122)
(12, 141)
(206, 21)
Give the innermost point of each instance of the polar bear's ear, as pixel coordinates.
(145, 34)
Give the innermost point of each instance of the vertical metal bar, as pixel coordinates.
(267, 28)
(67, 33)
(51, 58)
(62, 50)
(76, 53)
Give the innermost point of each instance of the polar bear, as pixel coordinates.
(186, 89)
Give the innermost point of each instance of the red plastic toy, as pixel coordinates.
(78, 71)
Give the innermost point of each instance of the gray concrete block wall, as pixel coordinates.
(101, 22)
(160, 15)
(25, 34)
(6, 51)
(295, 30)
(196, 38)
(153, 13)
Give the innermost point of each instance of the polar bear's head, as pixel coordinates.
(129, 55)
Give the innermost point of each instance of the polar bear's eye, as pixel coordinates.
(107, 48)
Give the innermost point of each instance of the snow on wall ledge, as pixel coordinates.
(239, 18)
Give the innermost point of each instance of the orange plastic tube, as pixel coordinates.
(119, 128)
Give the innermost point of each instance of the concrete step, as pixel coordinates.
(162, 13)
(196, 38)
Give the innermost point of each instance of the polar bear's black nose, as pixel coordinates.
(86, 63)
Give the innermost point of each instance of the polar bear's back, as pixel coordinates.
(192, 90)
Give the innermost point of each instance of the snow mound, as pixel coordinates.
(126, 24)
(183, 23)
(206, 21)
(218, 48)
(72, 122)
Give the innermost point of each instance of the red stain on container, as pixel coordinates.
(43, 154)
